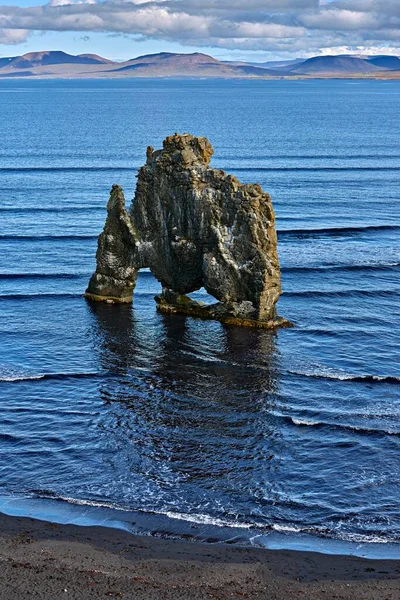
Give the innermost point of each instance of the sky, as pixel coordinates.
(227, 29)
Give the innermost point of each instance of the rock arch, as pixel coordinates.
(193, 226)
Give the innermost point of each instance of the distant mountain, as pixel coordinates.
(272, 64)
(50, 57)
(277, 64)
(57, 64)
(164, 64)
(62, 58)
(383, 61)
(4, 62)
(386, 62)
(344, 65)
(168, 64)
(184, 58)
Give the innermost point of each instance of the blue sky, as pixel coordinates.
(110, 45)
(227, 29)
(114, 46)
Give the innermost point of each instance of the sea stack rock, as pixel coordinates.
(116, 274)
(193, 226)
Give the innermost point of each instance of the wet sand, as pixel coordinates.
(50, 562)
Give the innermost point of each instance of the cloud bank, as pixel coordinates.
(276, 26)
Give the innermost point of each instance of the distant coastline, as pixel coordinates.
(165, 65)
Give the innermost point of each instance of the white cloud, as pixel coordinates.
(279, 26)
(69, 2)
(360, 50)
(339, 20)
(13, 36)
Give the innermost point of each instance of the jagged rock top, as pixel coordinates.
(185, 150)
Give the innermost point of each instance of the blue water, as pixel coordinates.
(189, 421)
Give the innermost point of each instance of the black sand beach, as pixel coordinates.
(50, 562)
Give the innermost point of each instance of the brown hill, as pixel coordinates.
(51, 57)
(343, 65)
(167, 64)
(386, 62)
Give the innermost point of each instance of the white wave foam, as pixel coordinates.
(360, 538)
(303, 422)
(208, 520)
(14, 373)
(323, 372)
(24, 378)
(371, 430)
(18, 376)
(202, 519)
(198, 518)
(82, 502)
(287, 528)
(364, 429)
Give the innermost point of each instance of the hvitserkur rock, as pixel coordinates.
(193, 226)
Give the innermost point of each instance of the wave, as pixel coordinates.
(40, 296)
(15, 276)
(342, 293)
(306, 422)
(203, 519)
(40, 238)
(391, 379)
(97, 169)
(315, 157)
(15, 377)
(335, 231)
(9, 438)
(366, 267)
(58, 296)
(198, 518)
(54, 209)
(133, 169)
(345, 536)
(49, 495)
(322, 424)
(282, 233)
(139, 294)
(105, 168)
(312, 169)
(214, 524)
(303, 422)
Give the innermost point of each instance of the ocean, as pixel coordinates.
(186, 428)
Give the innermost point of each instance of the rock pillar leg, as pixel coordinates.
(115, 276)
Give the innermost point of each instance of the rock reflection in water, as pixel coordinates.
(189, 405)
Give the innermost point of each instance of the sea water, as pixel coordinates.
(189, 424)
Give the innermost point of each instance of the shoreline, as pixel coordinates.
(44, 560)
(193, 528)
(375, 76)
